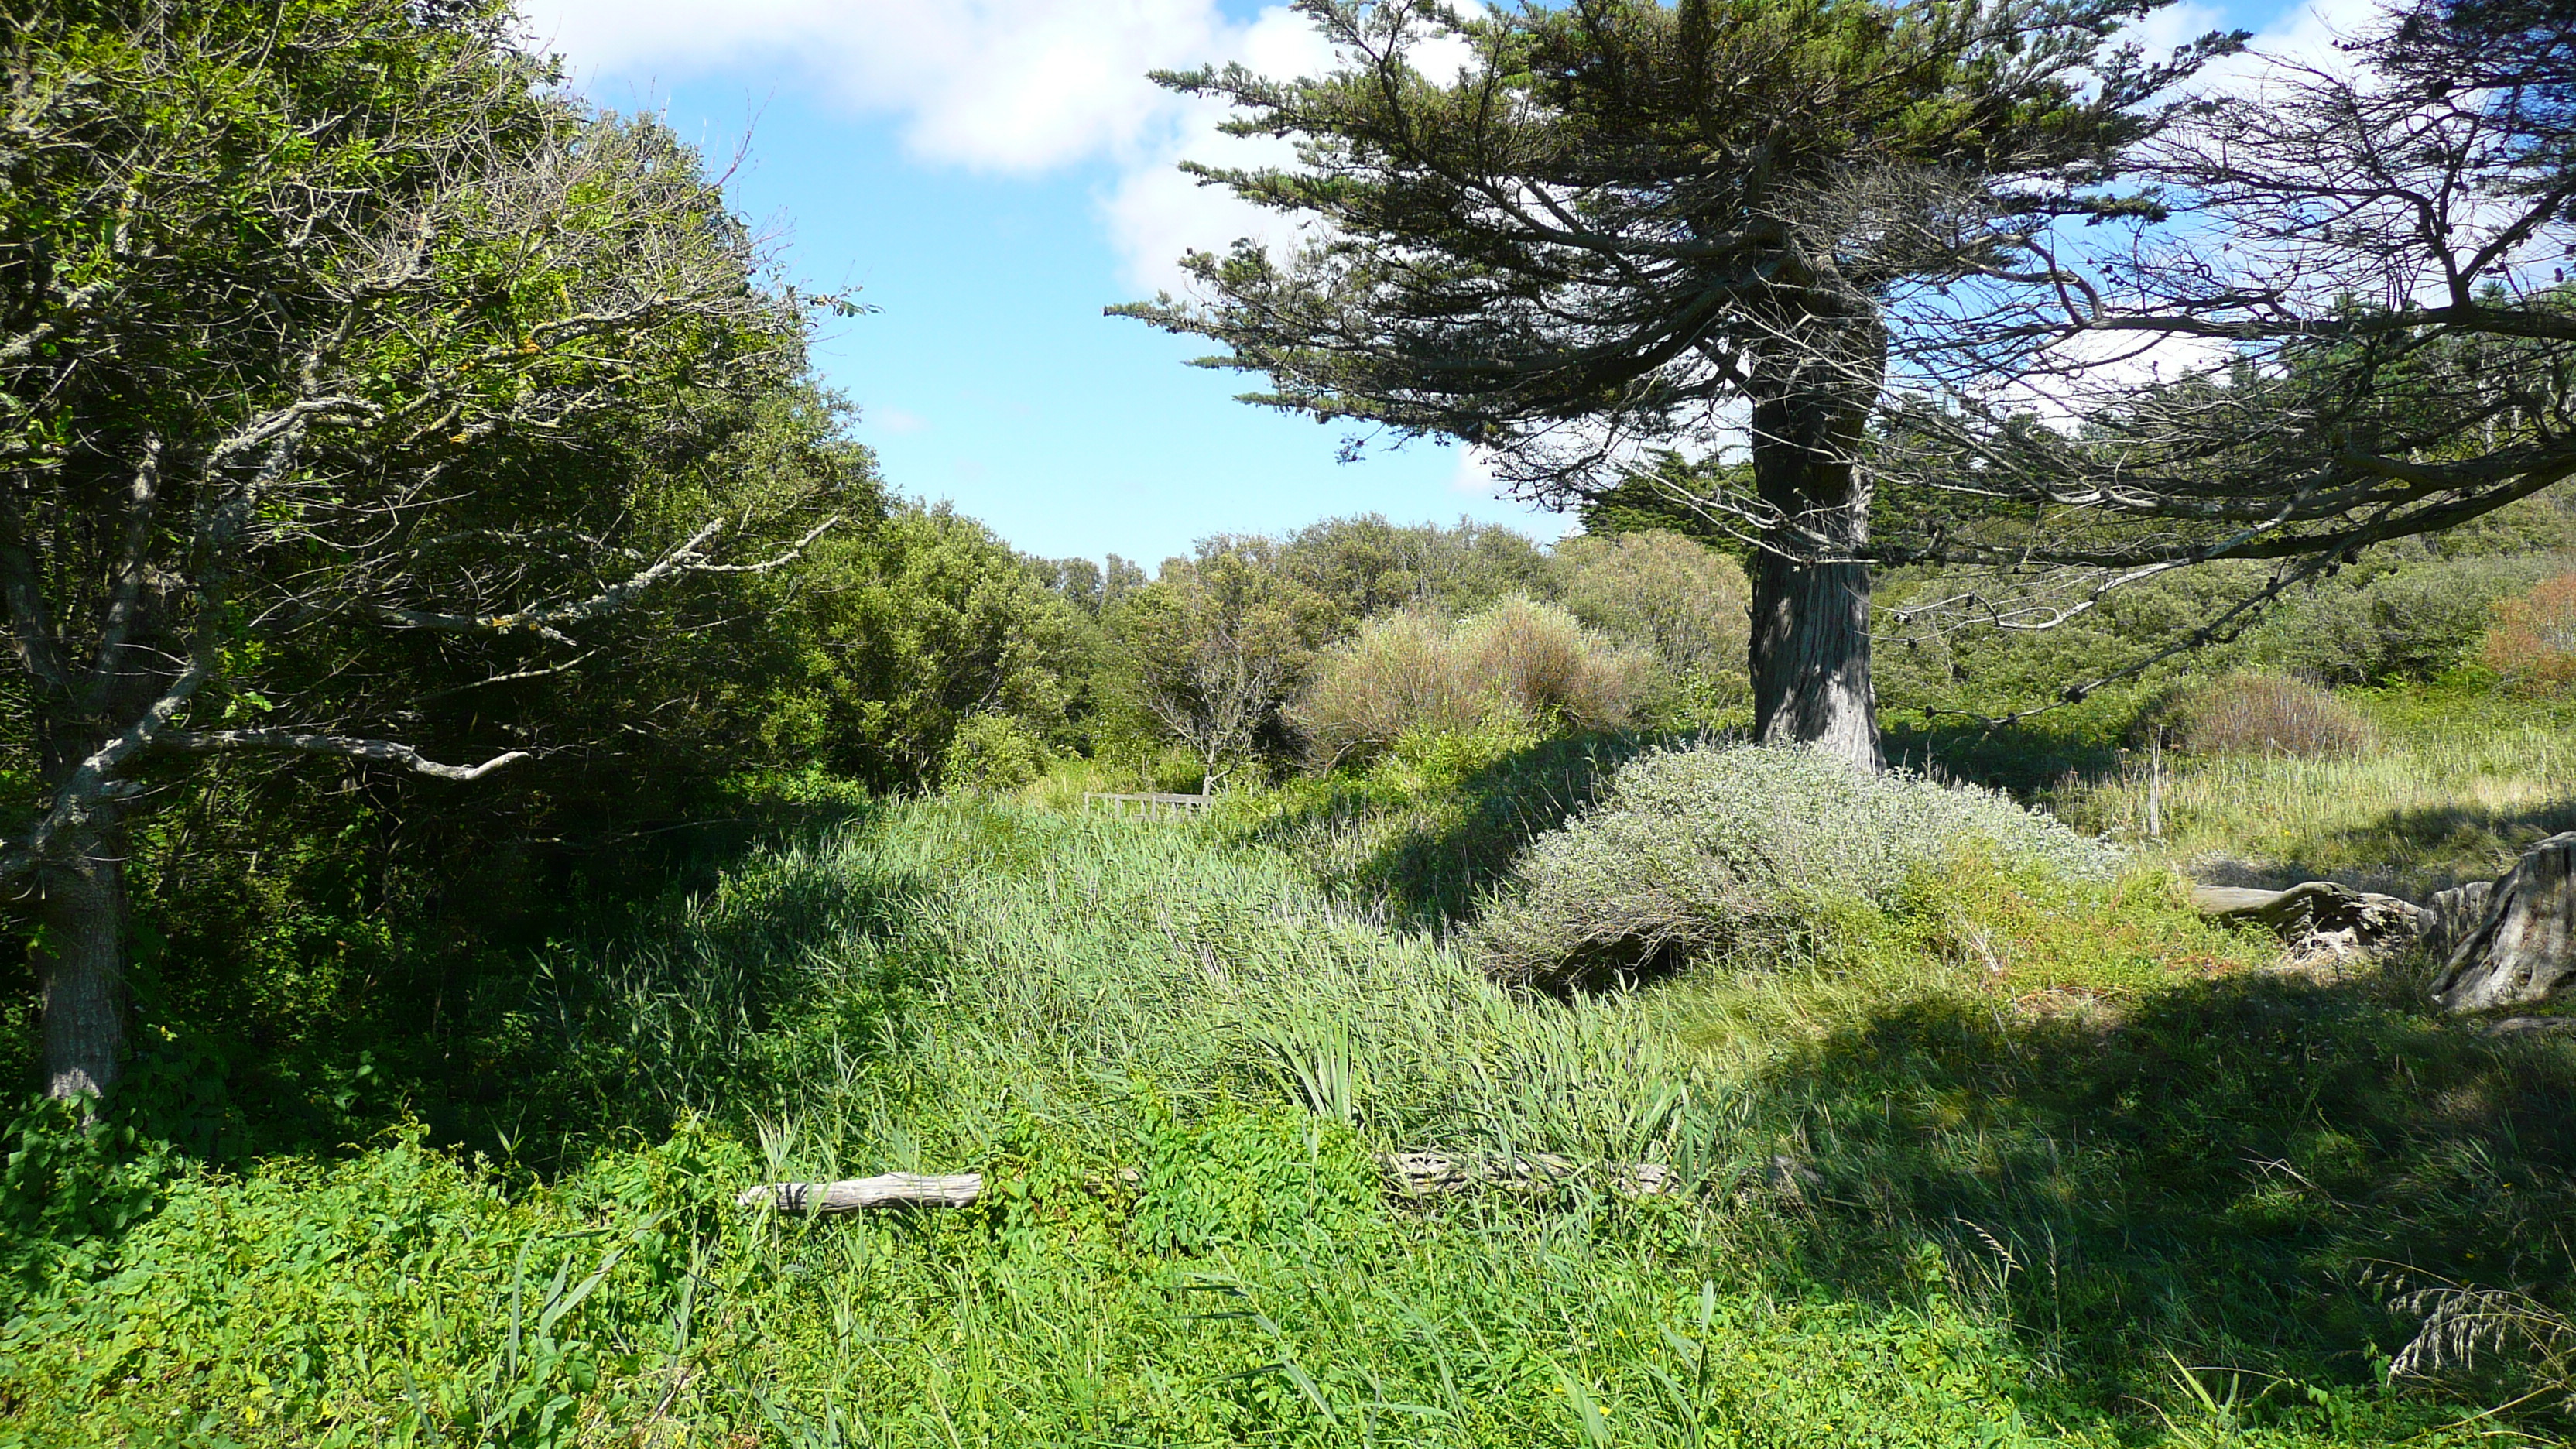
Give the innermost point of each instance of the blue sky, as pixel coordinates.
(990, 174)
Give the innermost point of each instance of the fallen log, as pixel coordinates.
(2517, 1026)
(2317, 905)
(894, 1189)
(2322, 916)
(1408, 1174)
(1428, 1174)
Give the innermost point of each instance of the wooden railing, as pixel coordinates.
(1150, 804)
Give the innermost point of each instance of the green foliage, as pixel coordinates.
(1365, 566)
(2018, 1208)
(925, 628)
(2394, 624)
(1207, 655)
(1684, 599)
(1239, 1178)
(1659, 590)
(1979, 668)
(993, 754)
(1758, 853)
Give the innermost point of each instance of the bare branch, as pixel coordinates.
(548, 620)
(381, 751)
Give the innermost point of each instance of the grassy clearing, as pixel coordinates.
(1994, 1166)
(2456, 784)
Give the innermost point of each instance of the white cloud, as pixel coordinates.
(1474, 474)
(1155, 212)
(1012, 85)
(896, 420)
(1000, 85)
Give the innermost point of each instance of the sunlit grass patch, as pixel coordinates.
(2458, 782)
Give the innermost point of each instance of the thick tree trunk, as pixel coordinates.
(1810, 644)
(1811, 658)
(80, 966)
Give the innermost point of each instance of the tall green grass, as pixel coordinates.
(1986, 1168)
(2456, 783)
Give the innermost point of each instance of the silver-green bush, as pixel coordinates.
(1743, 848)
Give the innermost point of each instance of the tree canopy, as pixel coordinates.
(1626, 224)
(351, 371)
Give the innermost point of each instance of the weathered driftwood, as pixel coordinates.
(2523, 950)
(894, 1189)
(1408, 1174)
(1154, 802)
(2456, 913)
(1435, 1174)
(2322, 915)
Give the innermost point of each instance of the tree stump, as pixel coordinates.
(2524, 948)
(2456, 915)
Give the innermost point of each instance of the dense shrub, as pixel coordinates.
(1743, 848)
(1661, 591)
(2408, 623)
(933, 623)
(2533, 642)
(993, 754)
(2263, 714)
(1411, 674)
(1365, 566)
(1939, 649)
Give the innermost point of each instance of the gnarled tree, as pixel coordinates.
(299, 311)
(1627, 225)
(2363, 332)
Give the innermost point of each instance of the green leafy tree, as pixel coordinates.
(317, 326)
(928, 625)
(1624, 224)
(1367, 566)
(1216, 646)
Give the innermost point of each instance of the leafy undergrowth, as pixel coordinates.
(1993, 1166)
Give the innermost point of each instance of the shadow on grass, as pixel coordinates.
(1424, 854)
(2028, 760)
(2410, 853)
(689, 971)
(2239, 1171)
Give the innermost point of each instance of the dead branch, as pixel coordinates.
(207, 742)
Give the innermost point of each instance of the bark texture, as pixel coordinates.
(2524, 949)
(80, 963)
(1810, 646)
(1811, 681)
